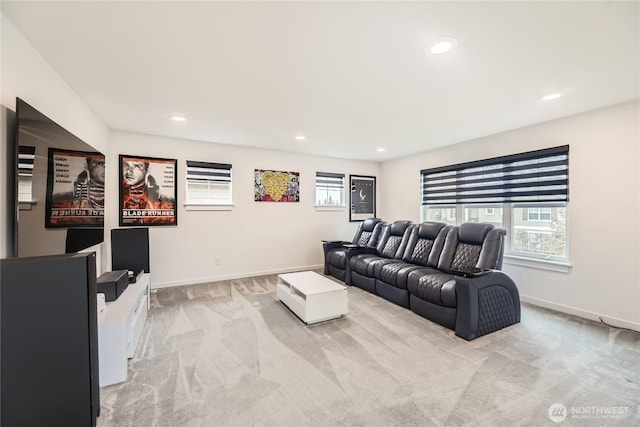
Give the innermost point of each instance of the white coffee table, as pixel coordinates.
(312, 297)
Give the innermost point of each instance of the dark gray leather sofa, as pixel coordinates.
(424, 244)
(390, 247)
(421, 267)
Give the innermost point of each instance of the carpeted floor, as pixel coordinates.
(230, 354)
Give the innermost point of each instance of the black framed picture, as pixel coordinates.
(148, 191)
(362, 197)
(75, 189)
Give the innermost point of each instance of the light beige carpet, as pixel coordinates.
(230, 354)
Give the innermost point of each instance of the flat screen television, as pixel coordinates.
(60, 166)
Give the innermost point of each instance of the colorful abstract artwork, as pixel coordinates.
(276, 186)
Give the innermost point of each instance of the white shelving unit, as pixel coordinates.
(119, 328)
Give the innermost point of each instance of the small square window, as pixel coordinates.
(208, 183)
(329, 189)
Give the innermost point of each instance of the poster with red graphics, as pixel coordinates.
(75, 189)
(148, 191)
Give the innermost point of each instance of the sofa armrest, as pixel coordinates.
(352, 251)
(485, 304)
(326, 247)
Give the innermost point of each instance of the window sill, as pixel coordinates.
(330, 208)
(26, 205)
(542, 264)
(195, 207)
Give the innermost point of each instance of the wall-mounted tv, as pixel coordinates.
(66, 162)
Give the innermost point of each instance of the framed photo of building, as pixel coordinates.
(362, 197)
(148, 191)
(75, 189)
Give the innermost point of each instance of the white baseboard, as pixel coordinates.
(200, 280)
(585, 314)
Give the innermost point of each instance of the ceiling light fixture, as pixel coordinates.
(552, 96)
(177, 118)
(381, 150)
(301, 137)
(442, 46)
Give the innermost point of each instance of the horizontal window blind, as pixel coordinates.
(329, 189)
(202, 171)
(534, 176)
(208, 183)
(26, 159)
(328, 180)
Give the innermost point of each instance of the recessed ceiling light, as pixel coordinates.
(444, 45)
(177, 118)
(552, 96)
(381, 150)
(301, 137)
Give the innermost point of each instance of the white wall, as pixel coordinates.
(255, 237)
(604, 214)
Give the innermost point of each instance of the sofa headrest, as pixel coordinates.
(429, 230)
(399, 227)
(473, 233)
(370, 223)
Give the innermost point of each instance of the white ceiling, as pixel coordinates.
(351, 76)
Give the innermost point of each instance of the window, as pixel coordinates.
(329, 189)
(26, 157)
(525, 193)
(539, 230)
(474, 213)
(538, 214)
(446, 214)
(208, 183)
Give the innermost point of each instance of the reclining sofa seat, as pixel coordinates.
(423, 250)
(335, 253)
(390, 247)
(472, 306)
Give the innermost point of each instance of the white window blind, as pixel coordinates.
(329, 189)
(208, 183)
(26, 158)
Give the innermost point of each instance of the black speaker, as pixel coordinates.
(112, 284)
(81, 238)
(49, 341)
(130, 249)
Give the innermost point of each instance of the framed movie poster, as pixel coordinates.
(148, 191)
(362, 197)
(75, 189)
(276, 186)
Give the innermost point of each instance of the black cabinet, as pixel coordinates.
(49, 341)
